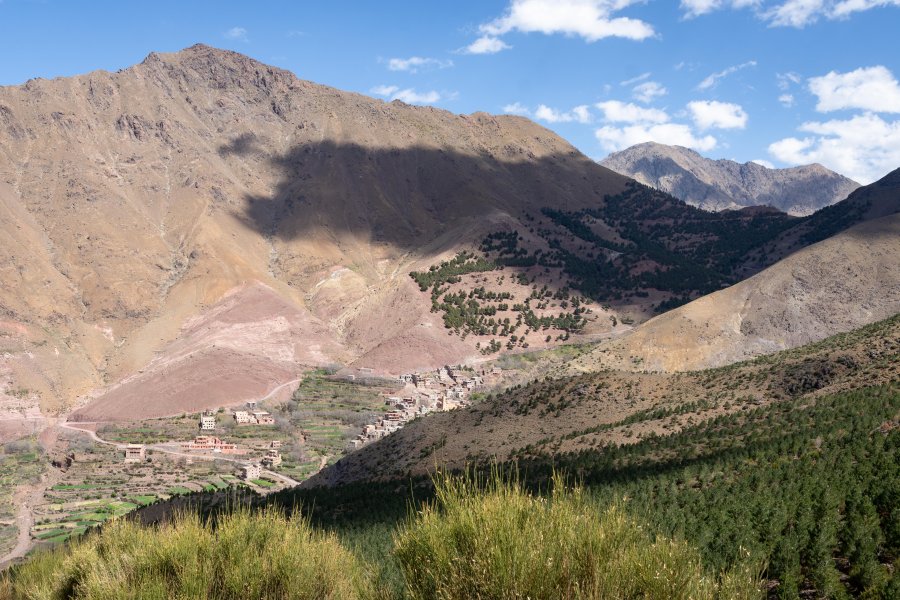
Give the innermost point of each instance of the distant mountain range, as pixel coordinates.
(717, 185)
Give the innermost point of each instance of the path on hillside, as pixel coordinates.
(26, 497)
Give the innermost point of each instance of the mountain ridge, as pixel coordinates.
(723, 184)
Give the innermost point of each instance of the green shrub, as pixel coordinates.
(262, 555)
(489, 539)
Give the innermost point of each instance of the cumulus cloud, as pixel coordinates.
(864, 147)
(486, 44)
(787, 13)
(237, 33)
(763, 162)
(516, 108)
(787, 100)
(591, 20)
(414, 64)
(633, 124)
(713, 79)
(870, 88)
(408, 95)
(710, 114)
(626, 112)
(579, 114)
(648, 91)
(618, 138)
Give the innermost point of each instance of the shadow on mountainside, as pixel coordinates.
(404, 197)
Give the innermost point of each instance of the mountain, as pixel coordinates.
(832, 286)
(201, 228)
(726, 185)
(202, 208)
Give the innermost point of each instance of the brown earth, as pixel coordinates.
(135, 201)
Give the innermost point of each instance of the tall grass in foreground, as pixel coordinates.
(489, 539)
(262, 555)
(483, 538)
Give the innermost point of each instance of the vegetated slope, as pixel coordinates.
(202, 208)
(726, 185)
(591, 410)
(792, 459)
(835, 285)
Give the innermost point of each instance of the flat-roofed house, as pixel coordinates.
(134, 453)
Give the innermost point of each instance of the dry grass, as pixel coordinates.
(262, 555)
(489, 539)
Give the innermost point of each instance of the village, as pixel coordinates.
(209, 445)
(445, 389)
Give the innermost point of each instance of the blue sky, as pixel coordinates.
(781, 81)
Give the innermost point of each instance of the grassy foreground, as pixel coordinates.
(481, 538)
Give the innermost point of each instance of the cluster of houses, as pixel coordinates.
(444, 389)
(253, 470)
(211, 442)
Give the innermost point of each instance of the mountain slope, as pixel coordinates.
(586, 412)
(138, 200)
(202, 218)
(724, 184)
(835, 285)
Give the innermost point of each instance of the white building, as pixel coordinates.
(207, 422)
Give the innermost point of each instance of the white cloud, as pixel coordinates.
(872, 88)
(618, 138)
(714, 78)
(695, 8)
(786, 100)
(864, 147)
(384, 90)
(408, 95)
(710, 114)
(516, 108)
(641, 124)
(648, 91)
(413, 64)
(486, 44)
(763, 163)
(794, 13)
(237, 33)
(634, 80)
(591, 20)
(785, 80)
(579, 114)
(625, 112)
(787, 13)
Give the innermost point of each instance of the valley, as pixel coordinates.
(225, 287)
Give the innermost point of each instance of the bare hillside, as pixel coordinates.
(135, 202)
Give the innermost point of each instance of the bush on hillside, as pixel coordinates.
(489, 539)
(262, 555)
